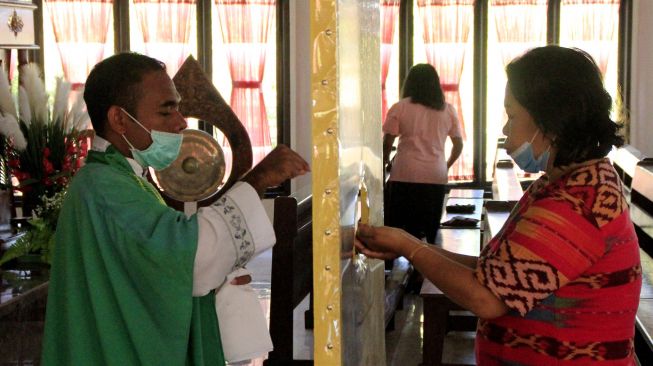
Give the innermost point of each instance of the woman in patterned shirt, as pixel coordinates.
(560, 283)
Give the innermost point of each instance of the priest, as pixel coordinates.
(132, 280)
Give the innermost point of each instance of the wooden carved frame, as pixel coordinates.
(201, 100)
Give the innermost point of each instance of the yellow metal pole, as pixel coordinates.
(326, 208)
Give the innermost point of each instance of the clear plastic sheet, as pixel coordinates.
(346, 92)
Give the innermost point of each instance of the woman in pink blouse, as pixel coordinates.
(422, 120)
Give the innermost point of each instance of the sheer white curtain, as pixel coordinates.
(245, 26)
(80, 30)
(591, 25)
(515, 26)
(166, 27)
(446, 25)
(389, 12)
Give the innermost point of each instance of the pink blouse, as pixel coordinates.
(422, 133)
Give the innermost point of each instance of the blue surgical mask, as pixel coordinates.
(161, 153)
(525, 158)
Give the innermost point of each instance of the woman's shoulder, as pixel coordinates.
(592, 189)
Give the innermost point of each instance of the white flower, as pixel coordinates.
(10, 128)
(78, 114)
(23, 106)
(38, 98)
(60, 101)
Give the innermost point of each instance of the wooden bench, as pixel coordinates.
(641, 211)
(625, 160)
(292, 275)
(439, 318)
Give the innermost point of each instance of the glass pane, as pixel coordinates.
(443, 37)
(83, 46)
(514, 26)
(390, 51)
(244, 54)
(165, 30)
(593, 26)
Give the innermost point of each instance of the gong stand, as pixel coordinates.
(200, 99)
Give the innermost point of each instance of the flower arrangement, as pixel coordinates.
(42, 148)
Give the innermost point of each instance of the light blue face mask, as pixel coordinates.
(525, 158)
(161, 153)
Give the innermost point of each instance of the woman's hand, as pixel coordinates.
(381, 242)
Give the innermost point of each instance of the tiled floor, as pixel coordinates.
(404, 344)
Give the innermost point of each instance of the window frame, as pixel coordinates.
(406, 18)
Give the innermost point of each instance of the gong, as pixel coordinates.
(198, 171)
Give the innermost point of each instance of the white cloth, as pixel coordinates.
(243, 327)
(231, 231)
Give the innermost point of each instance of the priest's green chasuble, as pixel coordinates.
(122, 276)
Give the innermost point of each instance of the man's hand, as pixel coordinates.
(279, 165)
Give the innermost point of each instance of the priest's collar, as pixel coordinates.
(101, 145)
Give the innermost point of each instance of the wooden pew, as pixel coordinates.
(439, 316)
(292, 275)
(641, 211)
(505, 184)
(625, 159)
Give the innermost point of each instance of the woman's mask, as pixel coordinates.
(161, 153)
(525, 158)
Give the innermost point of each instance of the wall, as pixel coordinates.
(300, 93)
(641, 114)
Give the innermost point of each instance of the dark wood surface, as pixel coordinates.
(466, 193)
(437, 306)
(478, 208)
(506, 186)
(292, 274)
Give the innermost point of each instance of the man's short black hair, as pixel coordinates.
(115, 81)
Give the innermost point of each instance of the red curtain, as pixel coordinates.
(389, 11)
(166, 27)
(245, 26)
(591, 25)
(446, 26)
(80, 31)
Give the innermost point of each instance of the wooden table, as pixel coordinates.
(478, 210)
(466, 193)
(437, 305)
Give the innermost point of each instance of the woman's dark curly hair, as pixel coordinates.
(563, 91)
(422, 85)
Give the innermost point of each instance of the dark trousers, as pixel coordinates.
(415, 207)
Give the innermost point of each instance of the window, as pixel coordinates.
(514, 26)
(444, 35)
(80, 33)
(444, 38)
(593, 26)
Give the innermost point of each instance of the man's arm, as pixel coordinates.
(279, 165)
(236, 227)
